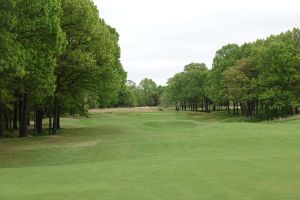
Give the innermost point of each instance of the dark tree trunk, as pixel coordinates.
(1, 118)
(50, 116)
(39, 120)
(206, 104)
(228, 107)
(20, 114)
(10, 120)
(234, 111)
(58, 118)
(34, 119)
(15, 117)
(6, 119)
(28, 118)
(55, 115)
(23, 116)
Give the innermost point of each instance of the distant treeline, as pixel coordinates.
(260, 79)
(146, 93)
(54, 56)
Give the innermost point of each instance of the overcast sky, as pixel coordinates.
(159, 37)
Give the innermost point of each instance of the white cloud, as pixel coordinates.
(159, 37)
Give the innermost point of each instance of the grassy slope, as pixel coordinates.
(152, 156)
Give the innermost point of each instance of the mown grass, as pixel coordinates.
(157, 155)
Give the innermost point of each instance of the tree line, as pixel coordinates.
(260, 79)
(146, 93)
(55, 56)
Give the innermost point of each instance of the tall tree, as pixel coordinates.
(39, 33)
(149, 92)
(10, 57)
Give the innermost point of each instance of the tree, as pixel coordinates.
(188, 88)
(149, 92)
(279, 74)
(10, 57)
(225, 57)
(261, 78)
(39, 33)
(90, 63)
(240, 86)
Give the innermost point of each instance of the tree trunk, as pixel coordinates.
(28, 118)
(228, 107)
(10, 120)
(50, 116)
(55, 115)
(15, 117)
(20, 114)
(23, 116)
(58, 118)
(1, 119)
(206, 104)
(6, 118)
(39, 120)
(234, 111)
(34, 119)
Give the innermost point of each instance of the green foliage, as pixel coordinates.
(148, 91)
(90, 66)
(54, 56)
(189, 86)
(226, 57)
(11, 54)
(260, 78)
(39, 33)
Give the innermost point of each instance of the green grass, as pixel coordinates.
(155, 156)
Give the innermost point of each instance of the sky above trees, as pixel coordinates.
(158, 37)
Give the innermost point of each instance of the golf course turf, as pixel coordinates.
(155, 156)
